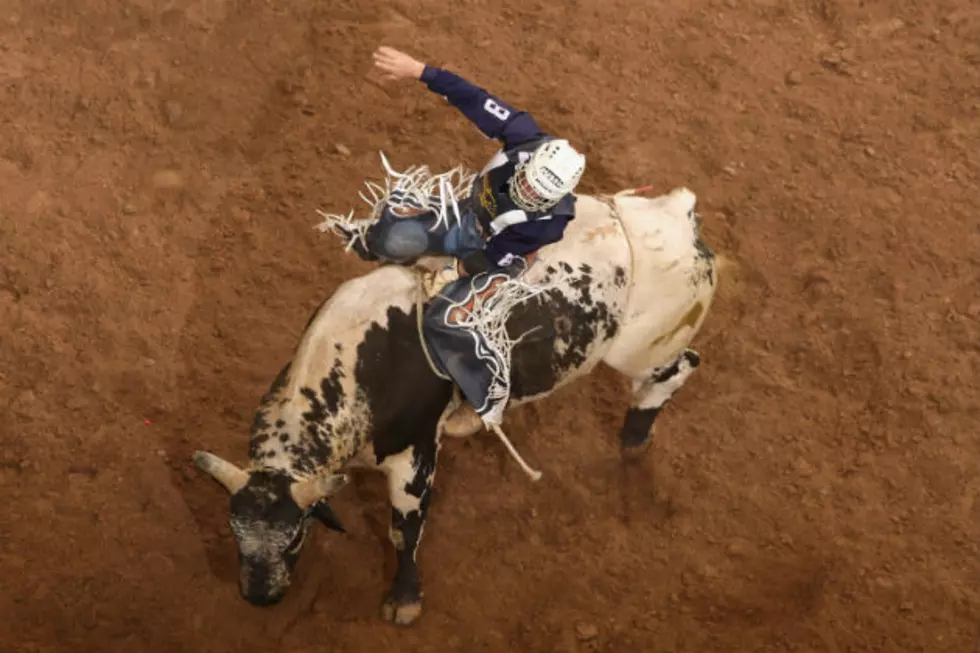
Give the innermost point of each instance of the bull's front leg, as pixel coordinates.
(410, 476)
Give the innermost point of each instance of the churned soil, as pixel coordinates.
(812, 488)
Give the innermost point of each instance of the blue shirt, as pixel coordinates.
(512, 231)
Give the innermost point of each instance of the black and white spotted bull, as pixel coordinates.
(633, 283)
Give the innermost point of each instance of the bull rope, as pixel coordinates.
(610, 201)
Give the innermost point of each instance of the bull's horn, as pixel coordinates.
(306, 493)
(223, 471)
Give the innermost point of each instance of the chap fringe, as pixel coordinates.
(488, 318)
(415, 189)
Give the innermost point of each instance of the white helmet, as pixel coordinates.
(552, 172)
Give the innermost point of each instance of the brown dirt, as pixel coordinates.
(813, 488)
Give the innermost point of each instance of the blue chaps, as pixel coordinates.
(460, 350)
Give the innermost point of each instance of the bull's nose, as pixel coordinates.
(263, 599)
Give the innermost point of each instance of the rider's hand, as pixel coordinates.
(397, 65)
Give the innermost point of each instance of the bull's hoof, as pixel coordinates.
(637, 431)
(401, 613)
(632, 452)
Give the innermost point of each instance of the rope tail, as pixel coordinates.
(533, 473)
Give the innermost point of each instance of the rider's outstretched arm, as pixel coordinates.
(492, 116)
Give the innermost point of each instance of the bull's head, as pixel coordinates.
(270, 517)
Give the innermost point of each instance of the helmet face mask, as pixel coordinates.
(552, 172)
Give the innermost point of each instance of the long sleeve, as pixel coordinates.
(491, 115)
(524, 238)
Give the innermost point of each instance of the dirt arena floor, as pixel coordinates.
(814, 487)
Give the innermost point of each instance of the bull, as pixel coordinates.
(629, 286)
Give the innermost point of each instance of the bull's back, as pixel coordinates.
(576, 323)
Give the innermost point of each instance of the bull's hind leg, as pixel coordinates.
(650, 395)
(410, 475)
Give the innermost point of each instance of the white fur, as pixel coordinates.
(666, 284)
(651, 394)
(400, 470)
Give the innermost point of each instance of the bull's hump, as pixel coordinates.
(345, 320)
(366, 299)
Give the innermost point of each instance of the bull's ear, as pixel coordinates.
(305, 493)
(230, 476)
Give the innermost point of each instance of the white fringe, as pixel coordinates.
(488, 318)
(346, 226)
(416, 189)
